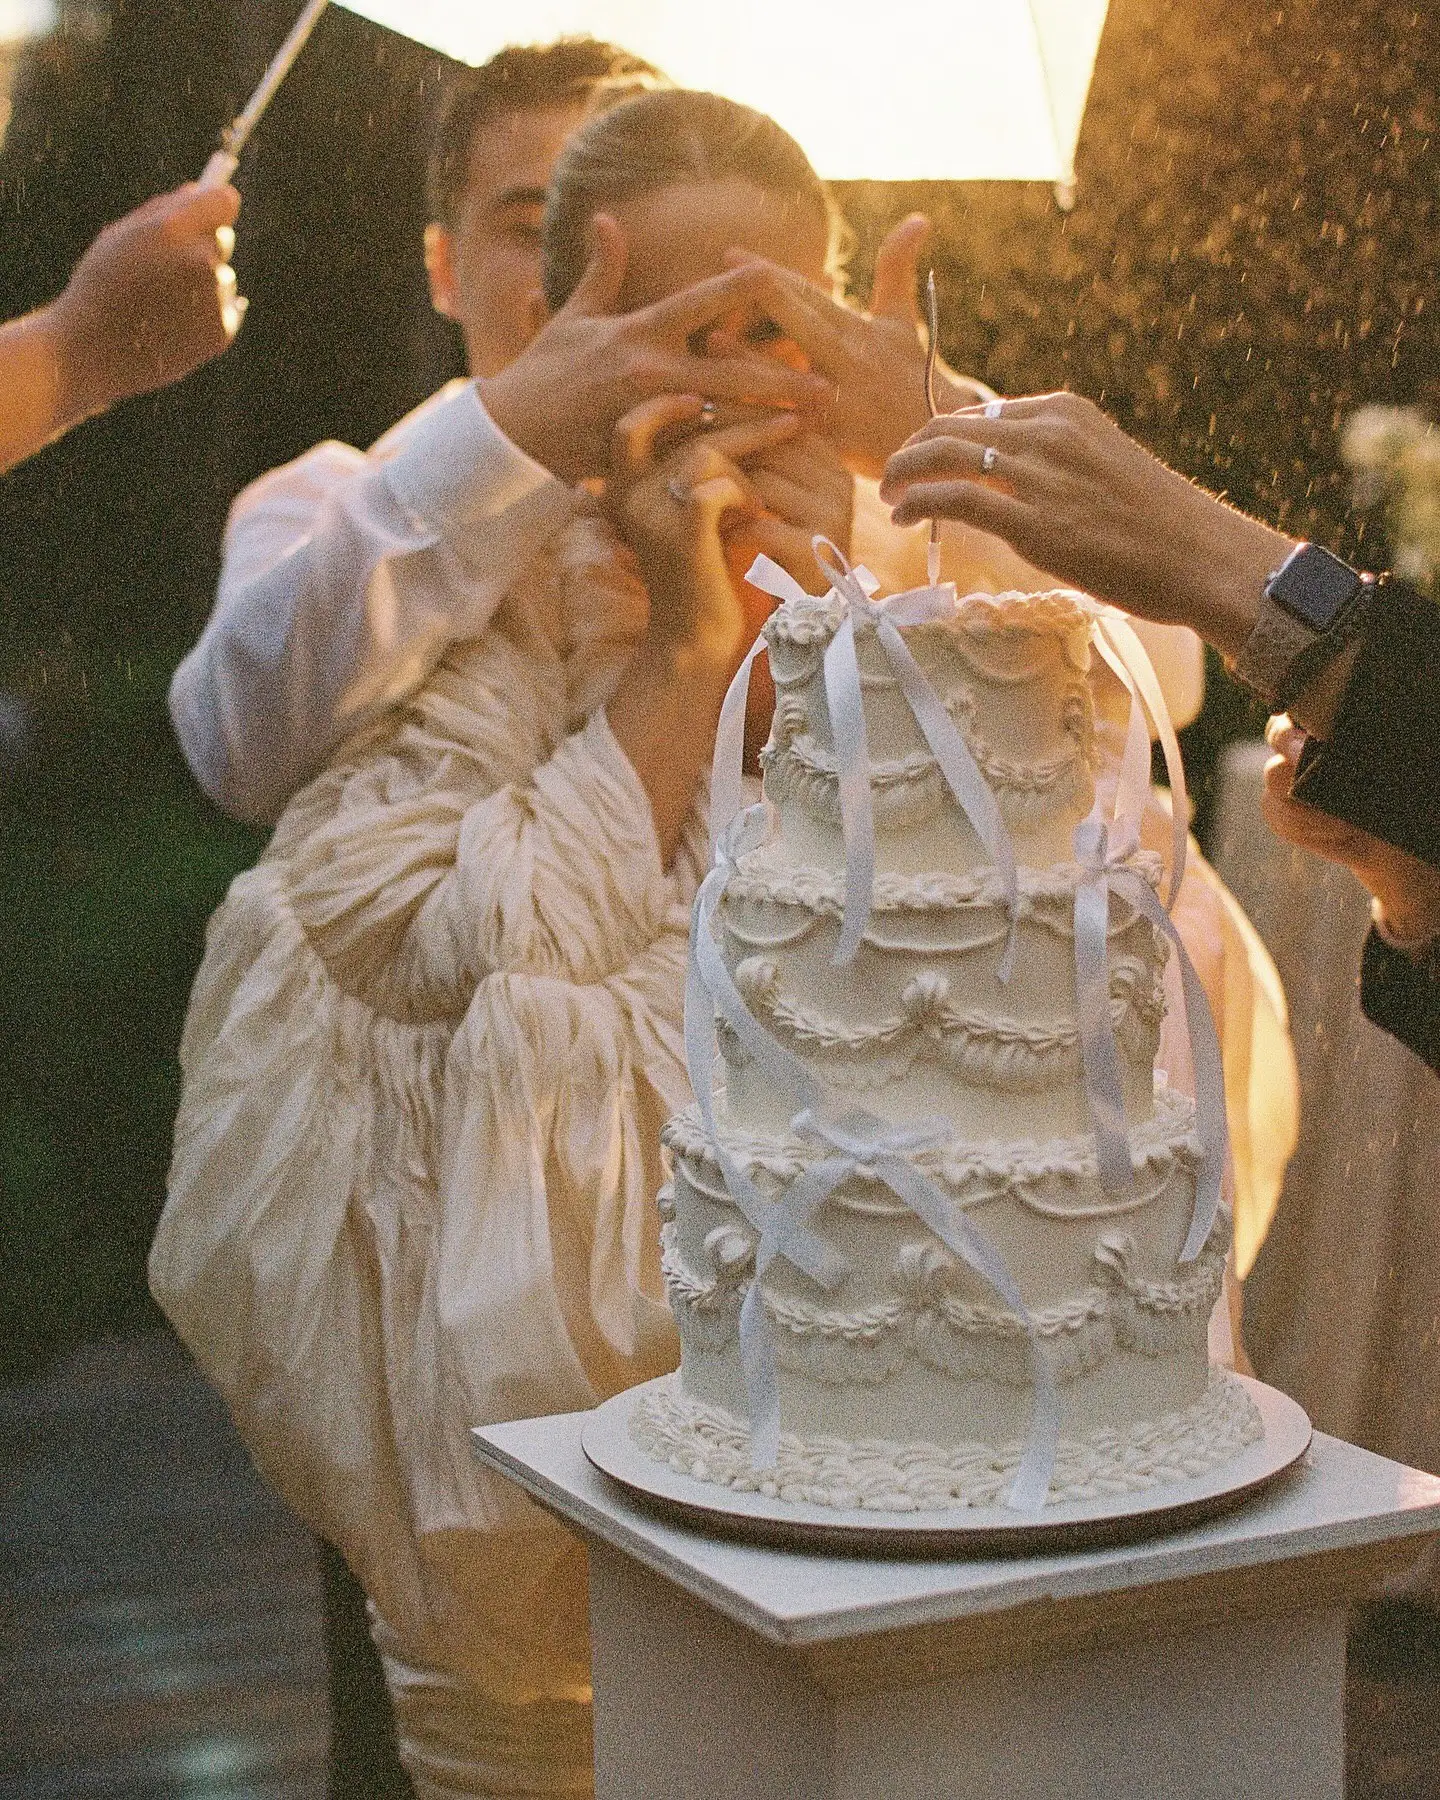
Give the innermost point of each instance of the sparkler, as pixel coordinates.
(223, 164)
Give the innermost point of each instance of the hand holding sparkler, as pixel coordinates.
(151, 299)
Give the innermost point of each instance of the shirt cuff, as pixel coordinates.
(450, 466)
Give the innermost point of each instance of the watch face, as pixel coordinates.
(1314, 586)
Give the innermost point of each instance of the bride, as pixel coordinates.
(438, 1026)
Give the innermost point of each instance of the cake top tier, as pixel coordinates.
(1011, 670)
(812, 620)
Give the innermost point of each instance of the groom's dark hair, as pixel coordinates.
(522, 78)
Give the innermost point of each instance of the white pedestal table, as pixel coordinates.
(1206, 1664)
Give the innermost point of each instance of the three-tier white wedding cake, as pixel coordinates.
(908, 1383)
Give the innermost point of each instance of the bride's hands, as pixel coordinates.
(806, 490)
(874, 360)
(671, 502)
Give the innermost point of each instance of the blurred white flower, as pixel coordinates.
(1394, 454)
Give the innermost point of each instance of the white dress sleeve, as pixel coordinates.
(345, 579)
(416, 900)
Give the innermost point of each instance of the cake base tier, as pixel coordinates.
(992, 1530)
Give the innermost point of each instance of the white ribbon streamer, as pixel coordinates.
(1099, 1052)
(1119, 643)
(782, 1224)
(1108, 871)
(847, 721)
(709, 988)
(1103, 852)
(855, 587)
(727, 772)
(859, 1141)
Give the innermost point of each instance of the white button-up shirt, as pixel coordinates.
(346, 577)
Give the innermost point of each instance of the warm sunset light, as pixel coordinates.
(985, 90)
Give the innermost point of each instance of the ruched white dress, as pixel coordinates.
(427, 1059)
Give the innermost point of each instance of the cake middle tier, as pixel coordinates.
(1011, 671)
(919, 1023)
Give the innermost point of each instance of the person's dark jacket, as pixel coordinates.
(1379, 769)
(1402, 996)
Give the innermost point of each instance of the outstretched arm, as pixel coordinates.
(150, 300)
(1063, 485)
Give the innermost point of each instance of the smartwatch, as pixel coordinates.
(1311, 607)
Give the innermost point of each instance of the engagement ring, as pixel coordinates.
(988, 459)
(993, 408)
(709, 412)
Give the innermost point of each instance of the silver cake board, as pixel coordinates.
(988, 1531)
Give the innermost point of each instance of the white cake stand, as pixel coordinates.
(992, 1530)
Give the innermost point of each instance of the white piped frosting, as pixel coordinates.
(910, 1384)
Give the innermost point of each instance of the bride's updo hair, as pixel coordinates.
(654, 141)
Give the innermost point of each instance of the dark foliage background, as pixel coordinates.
(1252, 254)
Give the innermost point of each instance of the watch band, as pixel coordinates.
(1284, 651)
(1276, 639)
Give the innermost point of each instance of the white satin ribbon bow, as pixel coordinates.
(858, 1141)
(856, 586)
(710, 989)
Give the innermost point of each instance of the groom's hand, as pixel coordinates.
(874, 361)
(588, 366)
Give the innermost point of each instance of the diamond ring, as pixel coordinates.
(988, 459)
(993, 408)
(709, 412)
(677, 490)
